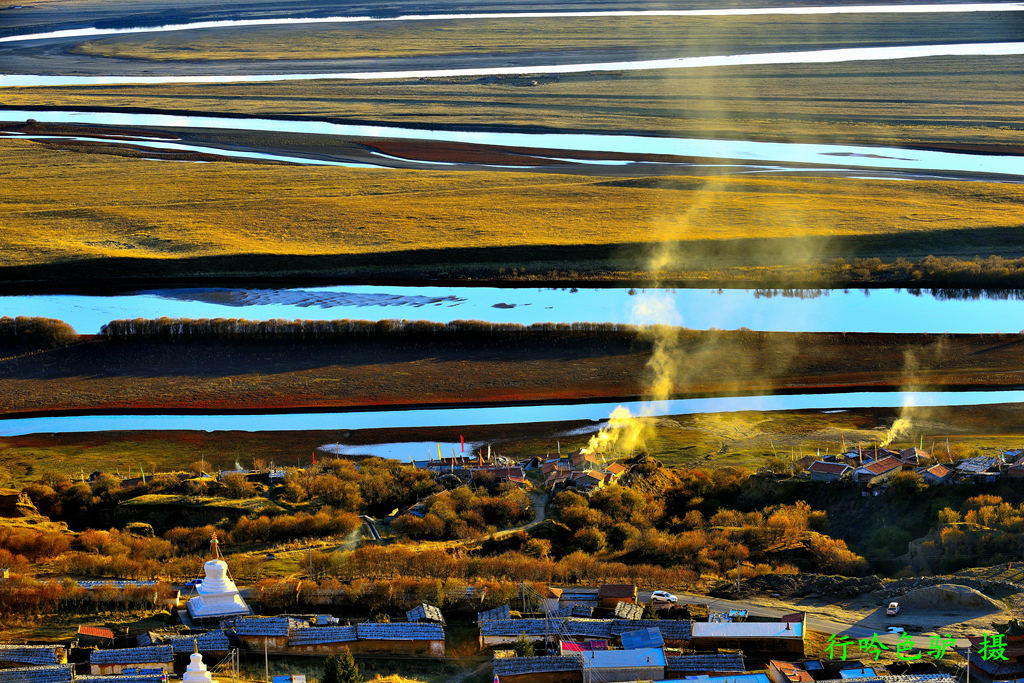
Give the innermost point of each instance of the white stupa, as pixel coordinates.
(218, 597)
(196, 671)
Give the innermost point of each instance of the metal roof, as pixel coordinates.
(399, 631)
(133, 655)
(617, 590)
(722, 661)
(590, 628)
(626, 610)
(502, 612)
(425, 612)
(211, 641)
(624, 659)
(736, 678)
(38, 674)
(323, 634)
(575, 610)
(645, 637)
(32, 654)
(132, 678)
(265, 626)
(748, 629)
(909, 678)
(977, 464)
(511, 666)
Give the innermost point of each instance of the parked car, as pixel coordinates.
(896, 630)
(893, 609)
(193, 583)
(663, 596)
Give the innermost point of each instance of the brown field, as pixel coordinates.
(232, 375)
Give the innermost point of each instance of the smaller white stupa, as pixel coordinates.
(218, 597)
(196, 671)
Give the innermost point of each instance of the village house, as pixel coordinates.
(289, 635)
(828, 471)
(1009, 670)
(914, 456)
(982, 469)
(425, 612)
(500, 632)
(264, 633)
(937, 475)
(106, 662)
(599, 665)
(610, 594)
(878, 472)
(615, 470)
(750, 636)
(95, 636)
(124, 678)
(703, 664)
(35, 655)
(587, 479)
(499, 474)
(211, 642)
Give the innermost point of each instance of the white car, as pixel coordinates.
(663, 596)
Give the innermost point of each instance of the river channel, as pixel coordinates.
(829, 310)
(850, 156)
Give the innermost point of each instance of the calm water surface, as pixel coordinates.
(881, 310)
(453, 417)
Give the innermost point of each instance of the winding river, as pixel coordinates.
(728, 12)
(851, 156)
(452, 417)
(855, 54)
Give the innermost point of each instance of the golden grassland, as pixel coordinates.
(917, 101)
(676, 35)
(106, 206)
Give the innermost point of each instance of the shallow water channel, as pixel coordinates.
(850, 156)
(452, 417)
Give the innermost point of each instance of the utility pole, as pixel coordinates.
(737, 577)
(266, 662)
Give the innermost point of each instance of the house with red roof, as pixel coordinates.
(937, 474)
(829, 471)
(878, 472)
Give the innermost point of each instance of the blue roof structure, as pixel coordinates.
(399, 631)
(319, 635)
(32, 654)
(133, 655)
(645, 637)
(62, 673)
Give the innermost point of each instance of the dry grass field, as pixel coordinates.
(231, 375)
(675, 36)
(162, 215)
(942, 100)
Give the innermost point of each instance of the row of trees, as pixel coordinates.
(35, 333)
(409, 331)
